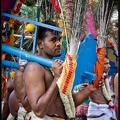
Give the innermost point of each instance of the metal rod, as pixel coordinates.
(35, 38)
(10, 64)
(33, 22)
(27, 56)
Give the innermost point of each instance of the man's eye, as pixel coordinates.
(53, 40)
(60, 38)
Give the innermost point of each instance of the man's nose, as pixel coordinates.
(109, 65)
(58, 42)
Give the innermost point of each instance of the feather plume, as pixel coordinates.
(89, 24)
(73, 12)
(105, 12)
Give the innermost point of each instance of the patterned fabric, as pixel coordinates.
(65, 84)
(99, 66)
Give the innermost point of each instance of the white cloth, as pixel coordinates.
(11, 117)
(34, 117)
(22, 62)
(22, 112)
(98, 109)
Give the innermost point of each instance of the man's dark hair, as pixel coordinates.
(42, 30)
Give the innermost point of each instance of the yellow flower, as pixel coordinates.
(61, 25)
(59, 21)
(63, 34)
(12, 74)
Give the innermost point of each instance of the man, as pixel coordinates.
(40, 81)
(8, 102)
(19, 88)
(116, 93)
(98, 106)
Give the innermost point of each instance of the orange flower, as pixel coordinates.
(63, 34)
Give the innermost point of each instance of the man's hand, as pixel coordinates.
(83, 86)
(89, 87)
(57, 67)
(101, 83)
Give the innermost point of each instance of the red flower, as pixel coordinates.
(19, 5)
(52, 1)
(59, 10)
(56, 6)
(105, 77)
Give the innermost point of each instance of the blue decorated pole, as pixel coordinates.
(33, 22)
(35, 38)
(26, 55)
(39, 2)
(10, 64)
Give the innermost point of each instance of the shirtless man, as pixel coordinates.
(20, 91)
(40, 82)
(10, 101)
(116, 93)
(99, 103)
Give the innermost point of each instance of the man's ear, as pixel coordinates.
(40, 43)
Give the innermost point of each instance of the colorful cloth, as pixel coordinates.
(65, 84)
(99, 66)
(99, 109)
(34, 117)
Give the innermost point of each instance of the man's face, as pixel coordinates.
(51, 45)
(106, 65)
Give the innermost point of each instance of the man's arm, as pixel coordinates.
(83, 94)
(39, 97)
(13, 104)
(6, 110)
(116, 93)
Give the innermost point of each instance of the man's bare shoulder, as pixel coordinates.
(33, 64)
(33, 68)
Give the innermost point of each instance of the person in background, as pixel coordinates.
(116, 93)
(98, 106)
(19, 88)
(7, 112)
(12, 105)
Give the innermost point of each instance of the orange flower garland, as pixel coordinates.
(61, 25)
